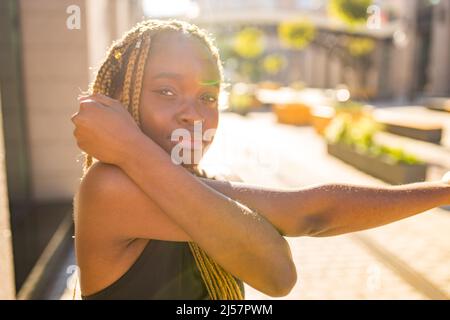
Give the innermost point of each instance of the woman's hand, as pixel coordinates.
(104, 128)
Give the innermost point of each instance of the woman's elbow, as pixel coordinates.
(283, 280)
(311, 225)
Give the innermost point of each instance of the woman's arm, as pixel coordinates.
(354, 208)
(333, 209)
(292, 212)
(240, 240)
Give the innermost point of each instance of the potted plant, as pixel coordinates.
(321, 117)
(292, 113)
(355, 109)
(353, 142)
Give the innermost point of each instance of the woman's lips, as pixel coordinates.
(189, 143)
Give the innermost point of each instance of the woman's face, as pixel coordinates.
(180, 88)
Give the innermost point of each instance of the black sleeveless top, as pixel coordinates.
(165, 270)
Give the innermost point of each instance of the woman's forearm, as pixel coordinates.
(354, 208)
(333, 209)
(292, 212)
(240, 240)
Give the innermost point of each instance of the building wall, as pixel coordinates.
(439, 71)
(55, 66)
(7, 287)
(58, 63)
(13, 109)
(107, 20)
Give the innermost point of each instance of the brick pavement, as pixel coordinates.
(340, 267)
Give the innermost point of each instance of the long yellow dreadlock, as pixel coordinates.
(122, 71)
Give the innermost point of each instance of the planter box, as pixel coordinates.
(379, 168)
(431, 134)
(411, 126)
(297, 114)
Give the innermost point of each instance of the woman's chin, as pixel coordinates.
(186, 155)
(191, 168)
(191, 158)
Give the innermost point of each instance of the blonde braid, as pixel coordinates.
(126, 91)
(123, 69)
(139, 78)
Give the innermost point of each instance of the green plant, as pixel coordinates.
(249, 43)
(336, 131)
(296, 34)
(241, 101)
(352, 12)
(394, 155)
(241, 97)
(273, 63)
(359, 134)
(348, 105)
(359, 47)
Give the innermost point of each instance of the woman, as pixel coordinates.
(147, 228)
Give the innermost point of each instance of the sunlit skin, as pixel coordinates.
(136, 193)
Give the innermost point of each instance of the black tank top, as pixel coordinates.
(165, 270)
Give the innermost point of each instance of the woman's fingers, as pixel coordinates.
(105, 100)
(90, 102)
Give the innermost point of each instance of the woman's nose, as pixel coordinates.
(190, 115)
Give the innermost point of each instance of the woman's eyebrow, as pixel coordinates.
(167, 75)
(173, 75)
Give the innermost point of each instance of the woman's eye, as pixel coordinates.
(166, 92)
(209, 99)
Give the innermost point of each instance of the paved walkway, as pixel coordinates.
(408, 259)
(405, 260)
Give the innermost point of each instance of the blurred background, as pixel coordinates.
(353, 91)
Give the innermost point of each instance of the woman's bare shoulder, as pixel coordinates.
(109, 198)
(105, 180)
(103, 175)
(103, 192)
